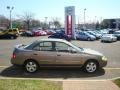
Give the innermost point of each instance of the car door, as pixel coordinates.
(65, 56)
(44, 53)
(82, 35)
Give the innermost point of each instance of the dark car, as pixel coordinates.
(60, 36)
(27, 33)
(8, 36)
(60, 31)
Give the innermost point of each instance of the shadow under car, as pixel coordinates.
(65, 73)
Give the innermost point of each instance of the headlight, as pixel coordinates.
(104, 58)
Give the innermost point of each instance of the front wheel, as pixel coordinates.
(31, 66)
(91, 66)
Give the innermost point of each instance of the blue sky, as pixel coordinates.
(55, 8)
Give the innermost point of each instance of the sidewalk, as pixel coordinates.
(89, 85)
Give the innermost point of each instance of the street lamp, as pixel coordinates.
(84, 18)
(10, 9)
(95, 19)
(46, 19)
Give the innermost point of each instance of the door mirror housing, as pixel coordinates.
(72, 50)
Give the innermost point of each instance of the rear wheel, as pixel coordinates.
(91, 66)
(88, 39)
(31, 66)
(12, 37)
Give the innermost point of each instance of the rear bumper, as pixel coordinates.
(16, 62)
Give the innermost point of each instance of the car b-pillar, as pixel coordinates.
(70, 21)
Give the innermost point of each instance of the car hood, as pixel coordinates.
(93, 52)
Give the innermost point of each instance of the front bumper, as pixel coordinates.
(103, 62)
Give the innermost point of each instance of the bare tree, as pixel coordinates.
(27, 17)
(35, 23)
(56, 23)
(4, 22)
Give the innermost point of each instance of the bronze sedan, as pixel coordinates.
(56, 53)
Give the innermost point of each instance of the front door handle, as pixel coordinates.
(58, 55)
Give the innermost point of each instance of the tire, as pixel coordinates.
(12, 37)
(102, 41)
(91, 66)
(88, 39)
(31, 66)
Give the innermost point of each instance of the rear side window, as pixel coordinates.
(44, 46)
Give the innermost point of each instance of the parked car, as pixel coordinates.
(83, 35)
(108, 38)
(52, 31)
(60, 36)
(27, 33)
(56, 52)
(43, 33)
(104, 31)
(36, 32)
(9, 34)
(39, 33)
(60, 31)
(98, 36)
(117, 34)
(48, 32)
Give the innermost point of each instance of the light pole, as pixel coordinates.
(46, 19)
(46, 22)
(95, 19)
(84, 18)
(10, 9)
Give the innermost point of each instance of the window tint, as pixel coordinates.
(61, 47)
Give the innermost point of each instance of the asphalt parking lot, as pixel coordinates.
(110, 50)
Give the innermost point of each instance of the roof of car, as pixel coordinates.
(53, 40)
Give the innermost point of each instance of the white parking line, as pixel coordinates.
(111, 68)
(4, 66)
(52, 79)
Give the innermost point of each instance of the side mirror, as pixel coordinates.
(72, 50)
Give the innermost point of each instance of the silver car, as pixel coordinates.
(56, 52)
(108, 38)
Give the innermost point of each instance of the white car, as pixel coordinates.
(108, 38)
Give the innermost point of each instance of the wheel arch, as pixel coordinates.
(30, 60)
(94, 60)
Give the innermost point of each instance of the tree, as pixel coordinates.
(35, 23)
(56, 23)
(44, 25)
(97, 26)
(27, 18)
(4, 22)
(18, 24)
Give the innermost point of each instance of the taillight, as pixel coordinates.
(14, 56)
